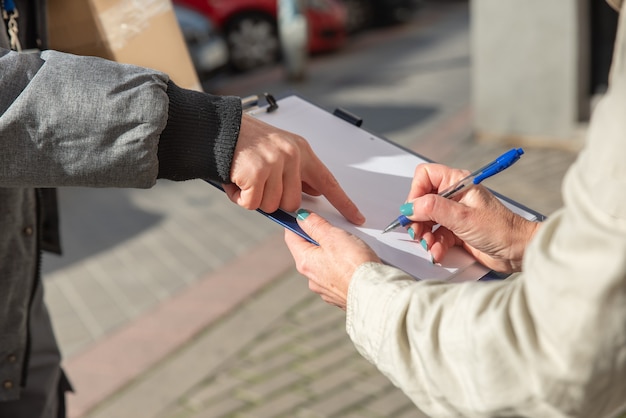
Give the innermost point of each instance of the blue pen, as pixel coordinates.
(502, 162)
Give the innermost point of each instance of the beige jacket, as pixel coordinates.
(549, 343)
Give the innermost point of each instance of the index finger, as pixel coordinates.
(432, 178)
(326, 184)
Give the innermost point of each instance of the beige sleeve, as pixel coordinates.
(549, 342)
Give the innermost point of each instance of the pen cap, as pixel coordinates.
(502, 162)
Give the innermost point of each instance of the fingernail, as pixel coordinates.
(425, 247)
(302, 214)
(412, 233)
(407, 209)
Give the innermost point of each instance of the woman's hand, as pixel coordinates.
(271, 168)
(330, 266)
(476, 220)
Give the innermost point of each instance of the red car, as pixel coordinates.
(251, 30)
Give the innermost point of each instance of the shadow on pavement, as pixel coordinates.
(94, 220)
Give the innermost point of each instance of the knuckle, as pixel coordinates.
(428, 203)
(302, 266)
(291, 203)
(247, 204)
(269, 207)
(292, 150)
(462, 173)
(315, 227)
(249, 199)
(327, 179)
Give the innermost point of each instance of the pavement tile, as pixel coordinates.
(283, 405)
(225, 407)
(317, 362)
(334, 380)
(222, 386)
(339, 402)
(267, 386)
(260, 368)
(390, 402)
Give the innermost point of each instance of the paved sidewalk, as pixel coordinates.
(184, 305)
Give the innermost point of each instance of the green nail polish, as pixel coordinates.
(407, 209)
(424, 244)
(302, 214)
(411, 233)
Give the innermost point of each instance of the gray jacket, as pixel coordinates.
(78, 121)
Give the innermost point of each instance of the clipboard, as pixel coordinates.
(376, 173)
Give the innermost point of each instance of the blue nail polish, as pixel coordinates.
(407, 209)
(302, 214)
(411, 233)
(424, 244)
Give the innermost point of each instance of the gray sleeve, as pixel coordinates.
(67, 120)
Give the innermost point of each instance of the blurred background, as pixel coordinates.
(250, 28)
(173, 302)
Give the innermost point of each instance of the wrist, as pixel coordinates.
(525, 230)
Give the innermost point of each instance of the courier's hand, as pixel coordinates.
(330, 266)
(271, 168)
(476, 220)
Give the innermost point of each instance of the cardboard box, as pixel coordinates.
(139, 32)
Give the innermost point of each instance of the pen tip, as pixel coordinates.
(391, 227)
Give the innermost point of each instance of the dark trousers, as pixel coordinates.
(46, 384)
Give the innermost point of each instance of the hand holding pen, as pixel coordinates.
(499, 164)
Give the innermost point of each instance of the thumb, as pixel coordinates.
(437, 209)
(314, 225)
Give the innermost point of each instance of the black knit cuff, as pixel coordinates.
(200, 136)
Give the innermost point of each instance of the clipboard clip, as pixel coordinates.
(348, 116)
(272, 105)
(251, 102)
